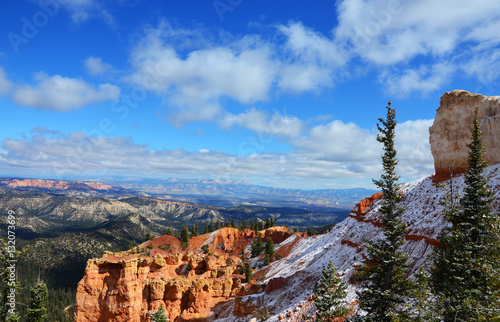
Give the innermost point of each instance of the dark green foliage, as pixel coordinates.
(149, 236)
(248, 272)
(218, 225)
(257, 247)
(267, 261)
(184, 234)
(268, 223)
(159, 316)
(169, 232)
(194, 230)
(270, 249)
(422, 303)
(37, 311)
(207, 230)
(204, 248)
(383, 273)
(329, 295)
(467, 263)
(210, 227)
(233, 224)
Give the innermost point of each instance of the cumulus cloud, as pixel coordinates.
(5, 84)
(414, 34)
(196, 81)
(261, 122)
(95, 66)
(62, 93)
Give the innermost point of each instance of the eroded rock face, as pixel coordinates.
(188, 282)
(451, 131)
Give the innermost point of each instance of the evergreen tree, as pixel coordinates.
(184, 234)
(218, 225)
(268, 223)
(149, 236)
(194, 230)
(206, 231)
(329, 295)
(267, 261)
(37, 311)
(257, 247)
(159, 316)
(233, 224)
(169, 232)
(466, 273)
(383, 273)
(248, 271)
(270, 249)
(422, 302)
(210, 226)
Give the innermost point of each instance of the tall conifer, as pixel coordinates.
(466, 272)
(383, 274)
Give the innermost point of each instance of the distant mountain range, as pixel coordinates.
(224, 193)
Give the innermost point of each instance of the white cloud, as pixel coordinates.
(261, 122)
(62, 93)
(414, 151)
(247, 70)
(95, 66)
(5, 84)
(333, 151)
(194, 84)
(423, 79)
(82, 10)
(413, 35)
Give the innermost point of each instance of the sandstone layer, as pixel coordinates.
(187, 280)
(451, 131)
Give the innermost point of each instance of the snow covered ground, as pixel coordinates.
(343, 245)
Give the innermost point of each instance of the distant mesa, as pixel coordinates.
(58, 184)
(451, 131)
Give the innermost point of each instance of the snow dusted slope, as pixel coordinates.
(290, 280)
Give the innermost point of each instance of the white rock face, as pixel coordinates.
(451, 131)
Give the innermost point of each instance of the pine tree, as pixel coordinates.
(184, 234)
(270, 249)
(422, 302)
(384, 271)
(218, 225)
(329, 294)
(159, 316)
(257, 247)
(233, 224)
(206, 231)
(210, 227)
(466, 272)
(37, 311)
(268, 223)
(248, 271)
(169, 232)
(194, 230)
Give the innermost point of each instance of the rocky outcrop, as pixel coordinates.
(451, 131)
(187, 279)
(58, 184)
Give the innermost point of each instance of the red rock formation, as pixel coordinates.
(451, 131)
(188, 282)
(58, 184)
(363, 207)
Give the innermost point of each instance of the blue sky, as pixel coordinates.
(279, 93)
